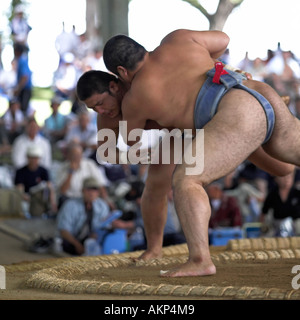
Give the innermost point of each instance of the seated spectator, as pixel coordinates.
(31, 179)
(31, 136)
(248, 196)
(84, 133)
(80, 219)
(284, 202)
(132, 221)
(13, 120)
(130, 198)
(115, 173)
(225, 211)
(72, 173)
(55, 126)
(5, 147)
(260, 179)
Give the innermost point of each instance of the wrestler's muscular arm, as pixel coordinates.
(159, 179)
(214, 41)
(134, 114)
(105, 123)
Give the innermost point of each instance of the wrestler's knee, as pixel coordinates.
(158, 179)
(181, 182)
(284, 169)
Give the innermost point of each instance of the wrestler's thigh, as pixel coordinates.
(285, 140)
(238, 128)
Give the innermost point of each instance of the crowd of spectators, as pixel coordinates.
(50, 184)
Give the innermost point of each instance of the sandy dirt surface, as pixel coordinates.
(236, 278)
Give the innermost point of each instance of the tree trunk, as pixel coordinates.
(113, 18)
(92, 17)
(218, 20)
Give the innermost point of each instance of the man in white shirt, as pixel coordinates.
(30, 137)
(73, 172)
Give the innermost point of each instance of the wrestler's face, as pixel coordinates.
(105, 104)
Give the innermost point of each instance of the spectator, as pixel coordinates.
(23, 88)
(80, 219)
(245, 63)
(5, 147)
(66, 42)
(257, 69)
(84, 133)
(72, 173)
(133, 222)
(19, 26)
(8, 80)
(284, 202)
(248, 197)
(95, 62)
(83, 48)
(55, 126)
(34, 183)
(13, 120)
(66, 78)
(225, 211)
(31, 136)
(283, 73)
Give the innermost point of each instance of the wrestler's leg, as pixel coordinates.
(269, 164)
(154, 204)
(228, 141)
(154, 207)
(284, 143)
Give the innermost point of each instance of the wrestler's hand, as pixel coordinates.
(247, 74)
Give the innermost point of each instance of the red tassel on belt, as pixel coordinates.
(219, 72)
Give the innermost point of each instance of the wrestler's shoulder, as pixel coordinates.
(174, 34)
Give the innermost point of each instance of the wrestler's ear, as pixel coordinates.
(113, 87)
(123, 73)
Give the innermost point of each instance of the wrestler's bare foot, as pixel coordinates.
(148, 255)
(191, 269)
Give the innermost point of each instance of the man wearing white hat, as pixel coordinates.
(33, 178)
